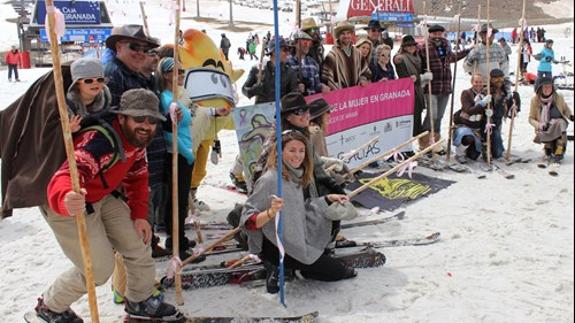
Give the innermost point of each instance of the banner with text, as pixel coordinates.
(359, 114)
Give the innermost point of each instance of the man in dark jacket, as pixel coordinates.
(264, 89)
(440, 59)
(225, 46)
(124, 71)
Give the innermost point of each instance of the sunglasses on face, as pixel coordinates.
(300, 111)
(142, 119)
(138, 48)
(152, 52)
(100, 80)
(313, 30)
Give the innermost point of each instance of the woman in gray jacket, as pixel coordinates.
(306, 230)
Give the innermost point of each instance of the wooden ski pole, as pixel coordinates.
(67, 136)
(517, 72)
(450, 129)
(389, 172)
(175, 206)
(261, 63)
(144, 18)
(388, 153)
(477, 37)
(430, 95)
(216, 243)
(488, 111)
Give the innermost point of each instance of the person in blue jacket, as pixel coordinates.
(545, 58)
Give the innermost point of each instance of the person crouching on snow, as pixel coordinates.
(469, 121)
(307, 230)
(548, 114)
(88, 97)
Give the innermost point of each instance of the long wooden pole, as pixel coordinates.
(65, 123)
(517, 72)
(388, 153)
(488, 110)
(214, 244)
(175, 205)
(430, 95)
(477, 37)
(389, 172)
(450, 129)
(144, 18)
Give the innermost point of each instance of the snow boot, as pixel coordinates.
(272, 278)
(48, 315)
(153, 308)
(460, 152)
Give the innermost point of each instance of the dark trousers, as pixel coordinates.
(325, 268)
(13, 67)
(184, 180)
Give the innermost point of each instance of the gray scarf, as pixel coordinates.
(296, 176)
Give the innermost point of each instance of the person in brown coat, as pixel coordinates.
(469, 121)
(408, 64)
(343, 66)
(549, 115)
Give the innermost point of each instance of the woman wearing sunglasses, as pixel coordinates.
(307, 231)
(186, 158)
(88, 96)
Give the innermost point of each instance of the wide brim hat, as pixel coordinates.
(318, 107)
(293, 101)
(301, 35)
(140, 103)
(308, 23)
(545, 79)
(341, 27)
(129, 32)
(484, 28)
(374, 24)
(435, 27)
(408, 40)
(271, 45)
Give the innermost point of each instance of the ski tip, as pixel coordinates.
(433, 236)
(32, 317)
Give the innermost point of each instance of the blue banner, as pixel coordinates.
(392, 17)
(88, 35)
(75, 12)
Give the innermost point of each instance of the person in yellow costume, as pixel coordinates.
(205, 64)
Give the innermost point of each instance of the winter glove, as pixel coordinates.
(257, 89)
(333, 163)
(426, 77)
(571, 118)
(484, 102)
(216, 152)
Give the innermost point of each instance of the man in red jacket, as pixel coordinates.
(12, 59)
(112, 224)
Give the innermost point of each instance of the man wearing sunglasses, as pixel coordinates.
(126, 70)
(316, 50)
(112, 224)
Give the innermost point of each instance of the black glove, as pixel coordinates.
(571, 118)
(257, 89)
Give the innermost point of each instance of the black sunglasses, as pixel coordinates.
(142, 119)
(138, 48)
(300, 111)
(153, 52)
(92, 80)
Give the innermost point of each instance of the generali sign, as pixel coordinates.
(367, 7)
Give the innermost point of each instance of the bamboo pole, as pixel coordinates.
(261, 63)
(67, 136)
(517, 72)
(388, 153)
(430, 95)
(144, 18)
(487, 52)
(175, 205)
(389, 172)
(450, 129)
(226, 237)
(477, 37)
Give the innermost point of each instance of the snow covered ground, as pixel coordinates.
(506, 253)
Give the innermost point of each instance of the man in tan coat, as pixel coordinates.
(343, 66)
